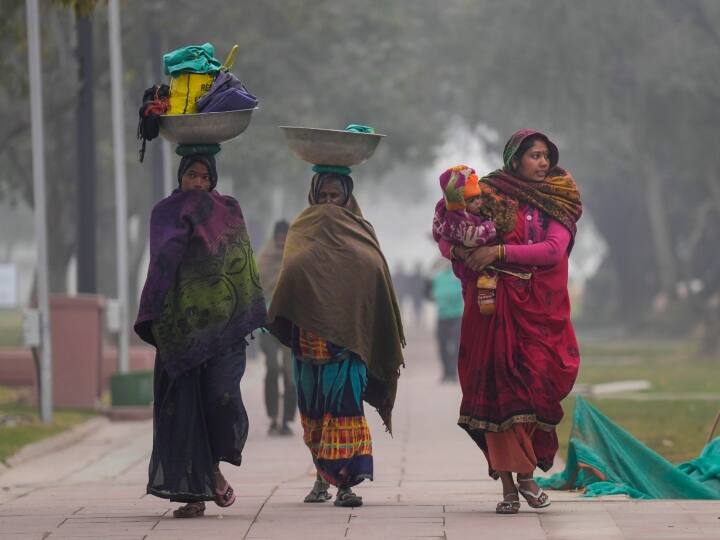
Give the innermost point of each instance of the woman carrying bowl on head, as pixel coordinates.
(335, 307)
(518, 363)
(201, 298)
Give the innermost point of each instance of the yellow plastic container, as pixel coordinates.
(186, 89)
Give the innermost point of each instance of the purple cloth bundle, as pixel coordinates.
(226, 94)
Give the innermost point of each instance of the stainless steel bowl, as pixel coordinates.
(330, 146)
(204, 128)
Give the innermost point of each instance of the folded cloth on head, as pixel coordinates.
(359, 128)
(226, 94)
(191, 59)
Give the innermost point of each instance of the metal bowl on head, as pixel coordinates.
(204, 128)
(331, 146)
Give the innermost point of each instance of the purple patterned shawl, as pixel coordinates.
(202, 293)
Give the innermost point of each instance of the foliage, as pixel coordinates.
(629, 93)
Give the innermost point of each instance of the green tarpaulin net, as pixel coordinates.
(604, 459)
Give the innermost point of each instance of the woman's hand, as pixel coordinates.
(481, 257)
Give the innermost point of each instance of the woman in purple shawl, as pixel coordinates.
(201, 298)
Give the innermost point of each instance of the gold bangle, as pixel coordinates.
(500, 252)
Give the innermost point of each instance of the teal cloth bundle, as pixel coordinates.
(604, 459)
(191, 59)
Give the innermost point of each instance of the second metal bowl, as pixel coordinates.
(330, 146)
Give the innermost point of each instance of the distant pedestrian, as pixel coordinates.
(518, 363)
(416, 286)
(201, 298)
(277, 355)
(335, 306)
(446, 291)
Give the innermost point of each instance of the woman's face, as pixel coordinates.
(331, 192)
(535, 162)
(197, 176)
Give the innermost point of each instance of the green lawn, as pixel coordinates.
(675, 429)
(11, 322)
(20, 425)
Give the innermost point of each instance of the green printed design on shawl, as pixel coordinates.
(210, 291)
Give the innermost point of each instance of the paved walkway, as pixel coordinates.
(431, 483)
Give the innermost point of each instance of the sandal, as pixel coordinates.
(538, 499)
(190, 510)
(345, 497)
(223, 497)
(319, 492)
(509, 505)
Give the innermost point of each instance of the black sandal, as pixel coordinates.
(345, 497)
(190, 510)
(509, 505)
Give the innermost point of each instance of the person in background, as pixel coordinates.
(277, 356)
(417, 285)
(446, 291)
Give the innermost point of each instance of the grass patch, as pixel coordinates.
(11, 324)
(677, 430)
(20, 424)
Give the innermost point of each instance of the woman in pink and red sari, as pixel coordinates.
(518, 363)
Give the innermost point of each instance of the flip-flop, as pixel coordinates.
(509, 505)
(190, 510)
(346, 498)
(538, 499)
(225, 498)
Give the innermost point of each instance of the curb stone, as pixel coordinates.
(54, 443)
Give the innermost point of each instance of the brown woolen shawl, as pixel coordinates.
(335, 282)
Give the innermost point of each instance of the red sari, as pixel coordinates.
(516, 365)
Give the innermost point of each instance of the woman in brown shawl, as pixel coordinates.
(335, 306)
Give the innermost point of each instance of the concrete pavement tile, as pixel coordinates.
(191, 535)
(494, 526)
(586, 535)
(700, 506)
(579, 527)
(25, 524)
(99, 533)
(297, 531)
(395, 530)
(651, 531)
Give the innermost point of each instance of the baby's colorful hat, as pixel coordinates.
(454, 181)
(472, 187)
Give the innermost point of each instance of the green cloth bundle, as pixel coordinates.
(359, 128)
(192, 59)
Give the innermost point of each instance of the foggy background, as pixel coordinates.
(628, 90)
